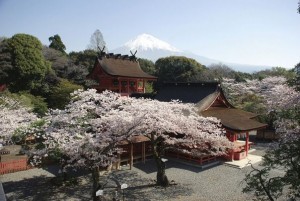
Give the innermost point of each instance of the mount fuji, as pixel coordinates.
(148, 47)
(152, 48)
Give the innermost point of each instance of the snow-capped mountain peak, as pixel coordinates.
(146, 42)
(149, 47)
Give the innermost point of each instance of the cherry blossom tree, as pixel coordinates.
(13, 116)
(276, 93)
(283, 155)
(177, 126)
(87, 132)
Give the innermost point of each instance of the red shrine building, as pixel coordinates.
(119, 73)
(211, 102)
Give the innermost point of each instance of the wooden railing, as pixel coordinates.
(13, 166)
(200, 159)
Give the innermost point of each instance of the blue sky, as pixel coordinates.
(260, 32)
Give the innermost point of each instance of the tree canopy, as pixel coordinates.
(6, 66)
(60, 94)
(65, 67)
(85, 58)
(24, 65)
(177, 69)
(147, 66)
(57, 44)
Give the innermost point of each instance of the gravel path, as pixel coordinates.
(217, 183)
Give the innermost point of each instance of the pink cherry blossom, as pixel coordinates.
(13, 116)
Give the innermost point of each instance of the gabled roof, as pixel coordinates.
(234, 119)
(217, 98)
(121, 65)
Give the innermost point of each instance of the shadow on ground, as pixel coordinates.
(47, 188)
(145, 189)
(149, 166)
(43, 188)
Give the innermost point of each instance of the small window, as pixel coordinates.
(124, 83)
(140, 84)
(132, 84)
(115, 82)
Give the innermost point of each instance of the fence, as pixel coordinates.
(199, 159)
(13, 166)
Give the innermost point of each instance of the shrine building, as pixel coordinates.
(211, 102)
(119, 73)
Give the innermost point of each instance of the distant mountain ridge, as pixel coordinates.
(152, 48)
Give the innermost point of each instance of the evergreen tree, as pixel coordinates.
(147, 66)
(5, 62)
(57, 44)
(177, 69)
(25, 67)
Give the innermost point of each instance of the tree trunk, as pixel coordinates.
(161, 177)
(157, 147)
(63, 172)
(95, 175)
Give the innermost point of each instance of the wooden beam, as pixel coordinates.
(120, 85)
(127, 86)
(136, 85)
(232, 139)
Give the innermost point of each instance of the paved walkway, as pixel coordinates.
(250, 159)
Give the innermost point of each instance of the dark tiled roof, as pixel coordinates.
(186, 92)
(234, 119)
(124, 67)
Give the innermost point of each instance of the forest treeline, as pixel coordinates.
(44, 76)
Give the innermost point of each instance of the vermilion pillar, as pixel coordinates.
(247, 143)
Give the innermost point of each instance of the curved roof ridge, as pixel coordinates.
(123, 67)
(206, 102)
